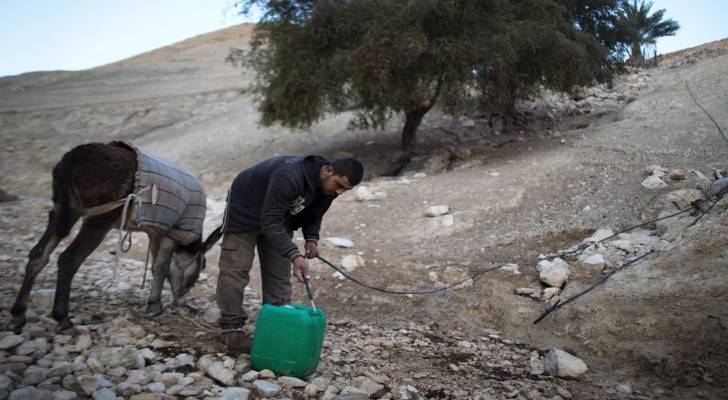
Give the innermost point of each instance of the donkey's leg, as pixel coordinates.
(37, 260)
(163, 250)
(88, 239)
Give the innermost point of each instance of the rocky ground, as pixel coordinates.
(482, 193)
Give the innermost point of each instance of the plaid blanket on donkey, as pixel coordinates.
(176, 204)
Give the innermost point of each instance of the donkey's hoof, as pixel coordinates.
(16, 324)
(65, 326)
(155, 309)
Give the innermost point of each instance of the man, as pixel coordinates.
(266, 203)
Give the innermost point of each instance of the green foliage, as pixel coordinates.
(638, 27)
(383, 58)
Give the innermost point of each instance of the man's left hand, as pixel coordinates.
(312, 250)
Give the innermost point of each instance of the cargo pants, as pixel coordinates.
(236, 261)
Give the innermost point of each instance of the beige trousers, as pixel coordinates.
(236, 261)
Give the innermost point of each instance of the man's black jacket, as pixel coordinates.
(276, 197)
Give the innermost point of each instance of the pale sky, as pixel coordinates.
(38, 35)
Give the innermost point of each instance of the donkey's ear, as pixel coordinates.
(212, 239)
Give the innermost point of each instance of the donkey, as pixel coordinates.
(88, 176)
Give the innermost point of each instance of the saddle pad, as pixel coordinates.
(176, 204)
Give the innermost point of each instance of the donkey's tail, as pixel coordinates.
(62, 196)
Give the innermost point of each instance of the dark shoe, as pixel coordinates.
(237, 341)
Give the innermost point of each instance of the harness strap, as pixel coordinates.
(122, 224)
(107, 207)
(104, 208)
(98, 210)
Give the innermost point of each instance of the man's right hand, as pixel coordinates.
(300, 268)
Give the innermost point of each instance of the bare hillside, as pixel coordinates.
(654, 330)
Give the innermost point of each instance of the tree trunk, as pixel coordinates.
(636, 56)
(412, 122)
(413, 119)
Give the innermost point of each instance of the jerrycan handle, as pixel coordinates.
(309, 293)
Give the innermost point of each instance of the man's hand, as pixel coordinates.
(312, 250)
(300, 268)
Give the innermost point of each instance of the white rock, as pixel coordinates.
(89, 383)
(362, 193)
(126, 390)
(212, 315)
(235, 393)
(174, 389)
(524, 291)
(250, 376)
(62, 339)
(435, 211)
(624, 245)
(683, 198)
(84, 342)
(30, 393)
(352, 261)
(550, 292)
(218, 371)
(119, 357)
(267, 374)
(599, 235)
(537, 364)
(653, 182)
(311, 390)
(10, 341)
(291, 382)
(64, 395)
(190, 391)
(593, 261)
(104, 394)
(171, 378)
(562, 364)
(42, 299)
(161, 344)
(319, 384)
(511, 268)
(34, 375)
(553, 273)
(656, 170)
(265, 388)
(340, 242)
(662, 246)
(330, 393)
(445, 220)
(156, 387)
(39, 345)
(370, 387)
(351, 390)
(139, 377)
(5, 382)
(184, 359)
(625, 388)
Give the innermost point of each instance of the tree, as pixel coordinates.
(640, 28)
(383, 58)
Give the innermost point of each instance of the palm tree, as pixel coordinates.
(640, 28)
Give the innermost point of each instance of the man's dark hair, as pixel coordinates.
(349, 167)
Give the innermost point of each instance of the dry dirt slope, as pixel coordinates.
(661, 323)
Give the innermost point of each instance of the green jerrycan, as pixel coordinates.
(288, 338)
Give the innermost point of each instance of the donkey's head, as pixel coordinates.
(187, 263)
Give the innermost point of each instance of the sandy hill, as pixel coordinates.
(655, 330)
